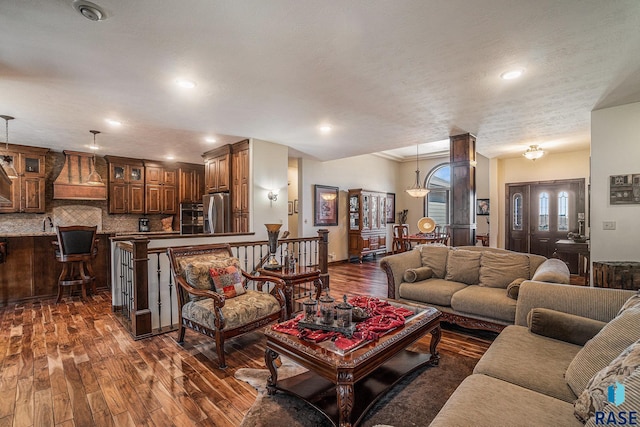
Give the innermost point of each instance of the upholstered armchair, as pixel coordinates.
(213, 296)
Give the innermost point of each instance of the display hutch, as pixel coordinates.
(367, 223)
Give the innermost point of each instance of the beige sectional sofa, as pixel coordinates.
(475, 287)
(569, 344)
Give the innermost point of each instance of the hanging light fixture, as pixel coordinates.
(417, 190)
(533, 152)
(94, 177)
(7, 160)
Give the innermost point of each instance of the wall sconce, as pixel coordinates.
(533, 152)
(273, 195)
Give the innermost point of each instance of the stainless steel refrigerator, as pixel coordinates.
(217, 213)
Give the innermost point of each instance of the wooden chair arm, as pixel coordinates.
(279, 283)
(218, 299)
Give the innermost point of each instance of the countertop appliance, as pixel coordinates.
(191, 218)
(217, 213)
(143, 224)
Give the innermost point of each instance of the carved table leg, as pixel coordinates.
(270, 357)
(344, 392)
(436, 334)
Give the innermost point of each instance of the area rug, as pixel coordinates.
(414, 401)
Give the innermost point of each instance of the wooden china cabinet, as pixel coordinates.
(367, 223)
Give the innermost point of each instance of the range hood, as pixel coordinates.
(73, 181)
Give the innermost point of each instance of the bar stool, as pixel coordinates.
(76, 249)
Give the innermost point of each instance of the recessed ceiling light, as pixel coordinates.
(169, 157)
(325, 128)
(512, 74)
(210, 139)
(186, 84)
(113, 122)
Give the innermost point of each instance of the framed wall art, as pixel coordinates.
(325, 205)
(391, 208)
(482, 207)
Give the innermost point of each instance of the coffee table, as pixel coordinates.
(345, 385)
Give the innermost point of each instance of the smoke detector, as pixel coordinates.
(89, 10)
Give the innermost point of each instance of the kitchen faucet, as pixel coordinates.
(44, 224)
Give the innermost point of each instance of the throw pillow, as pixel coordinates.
(631, 303)
(227, 281)
(563, 326)
(435, 256)
(196, 273)
(599, 351)
(417, 274)
(594, 398)
(497, 270)
(514, 288)
(463, 266)
(553, 271)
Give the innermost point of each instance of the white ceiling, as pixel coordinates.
(385, 74)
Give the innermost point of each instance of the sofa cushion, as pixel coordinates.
(513, 289)
(481, 401)
(553, 271)
(535, 261)
(487, 302)
(431, 291)
(417, 274)
(595, 395)
(563, 326)
(463, 266)
(498, 270)
(598, 352)
(244, 309)
(435, 256)
(531, 361)
(227, 281)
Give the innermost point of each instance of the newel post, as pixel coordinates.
(323, 256)
(141, 315)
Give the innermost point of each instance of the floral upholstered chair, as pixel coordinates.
(213, 298)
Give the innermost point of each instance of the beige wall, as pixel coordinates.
(552, 166)
(615, 150)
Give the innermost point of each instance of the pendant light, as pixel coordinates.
(417, 190)
(94, 177)
(7, 160)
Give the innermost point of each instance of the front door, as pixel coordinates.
(541, 213)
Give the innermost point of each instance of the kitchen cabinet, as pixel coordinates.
(31, 270)
(126, 185)
(190, 183)
(160, 188)
(28, 189)
(216, 169)
(367, 223)
(240, 180)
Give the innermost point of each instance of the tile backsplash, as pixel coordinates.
(77, 215)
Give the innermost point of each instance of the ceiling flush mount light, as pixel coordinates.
(417, 190)
(7, 160)
(89, 10)
(94, 177)
(273, 195)
(186, 84)
(210, 139)
(512, 74)
(533, 152)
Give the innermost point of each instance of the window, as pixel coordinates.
(437, 201)
(563, 211)
(543, 212)
(517, 212)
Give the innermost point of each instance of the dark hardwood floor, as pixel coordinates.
(72, 364)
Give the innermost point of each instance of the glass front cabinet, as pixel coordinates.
(28, 187)
(367, 223)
